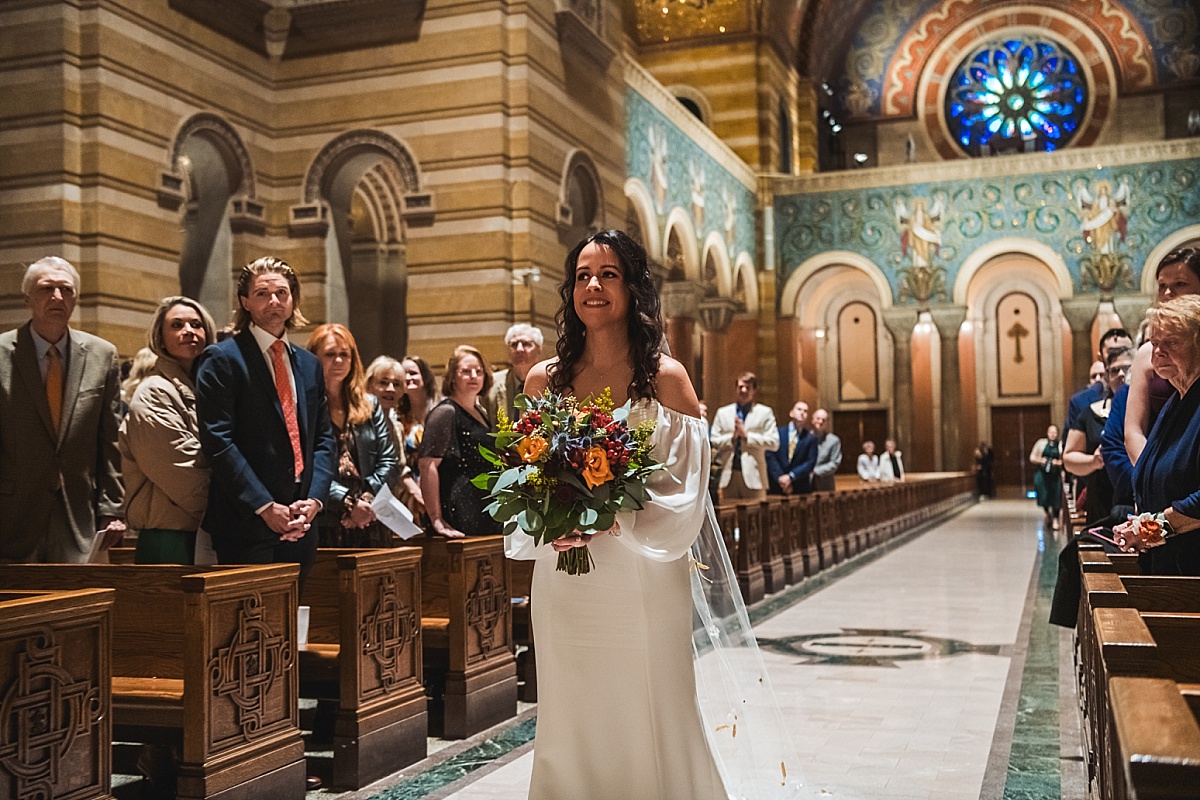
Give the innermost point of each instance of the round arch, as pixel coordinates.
(1036, 250)
(642, 203)
(682, 91)
(680, 221)
(576, 162)
(832, 258)
(1173, 240)
(353, 143)
(222, 134)
(714, 245)
(744, 266)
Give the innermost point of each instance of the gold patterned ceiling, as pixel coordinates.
(665, 20)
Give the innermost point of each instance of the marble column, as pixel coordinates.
(900, 323)
(715, 315)
(949, 320)
(680, 301)
(1080, 313)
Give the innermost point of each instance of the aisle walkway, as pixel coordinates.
(893, 676)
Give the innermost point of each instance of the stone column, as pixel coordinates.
(1080, 313)
(949, 320)
(900, 323)
(715, 315)
(679, 309)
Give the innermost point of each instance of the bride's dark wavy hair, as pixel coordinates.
(644, 320)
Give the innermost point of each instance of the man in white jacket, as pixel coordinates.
(742, 434)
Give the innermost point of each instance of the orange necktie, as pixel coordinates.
(284, 387)
(54, 385)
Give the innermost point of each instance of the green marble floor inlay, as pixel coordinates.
(1033, 764)
(462, 764)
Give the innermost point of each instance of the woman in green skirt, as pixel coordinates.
(1047, 481)
(166, 474)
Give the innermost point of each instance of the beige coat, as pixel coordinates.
(166, 474)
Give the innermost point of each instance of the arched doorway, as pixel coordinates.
(214, 168)
(364, 178)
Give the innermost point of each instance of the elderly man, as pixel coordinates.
(742, 434)
(524, 350)
(790, 467)
(264, 425)
(891, 463)
(60, 477)
(829, 453)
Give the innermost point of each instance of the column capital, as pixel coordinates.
(681, 299)
(1131, 308)
(900, 322)
(948, 319)
(1080, 313)
(716, 313)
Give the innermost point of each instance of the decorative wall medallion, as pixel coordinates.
(872, 647)
(245, 670)
(486, 605)
(387, 630)
(43, 711)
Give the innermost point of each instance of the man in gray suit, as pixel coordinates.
(60, 483)
(829, 453)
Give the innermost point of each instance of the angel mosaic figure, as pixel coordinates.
(920, 230)
(1105, 214)
(658, 167)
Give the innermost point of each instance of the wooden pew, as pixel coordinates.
(774, 545)
(747, 561)
(1157, 737)
(364, 650)
(56, 694)
(799, 559)
(521, 571)
(467, 635)
(203, 659)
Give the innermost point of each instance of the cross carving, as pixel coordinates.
(1017, 332)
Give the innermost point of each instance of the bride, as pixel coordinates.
(624, 664)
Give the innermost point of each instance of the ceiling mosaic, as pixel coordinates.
(1152, 41)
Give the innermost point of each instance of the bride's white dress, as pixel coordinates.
(617, 709)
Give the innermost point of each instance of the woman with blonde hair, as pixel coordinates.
(166, 473)
(386, 380)
(366, 459)
(1166, 479)
(450, 455)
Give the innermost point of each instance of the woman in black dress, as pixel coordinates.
(450, 457)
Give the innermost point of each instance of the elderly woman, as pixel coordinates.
(1082, 454)
(385, 380)
(166, 474)
(1166, 479)
(366, 458)
(450, 451)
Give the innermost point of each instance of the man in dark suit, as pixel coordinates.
(60, 479)
(264, 425)
(789, 469)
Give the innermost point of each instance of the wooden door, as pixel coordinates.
(1014, 430)
(856, 427)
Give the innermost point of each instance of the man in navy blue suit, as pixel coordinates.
(264, 425)
(789, 469)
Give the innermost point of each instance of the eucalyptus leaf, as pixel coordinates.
(508, 478)
(588, 518)
(530, 521)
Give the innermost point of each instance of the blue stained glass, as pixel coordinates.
(1014, 93)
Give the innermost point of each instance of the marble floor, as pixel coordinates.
(922, 671)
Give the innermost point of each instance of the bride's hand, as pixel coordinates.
(578, 539)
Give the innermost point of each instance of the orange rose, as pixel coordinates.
(1150, 530)
(595, 468)
(531, 448)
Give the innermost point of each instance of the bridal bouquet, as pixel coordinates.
(564, 466)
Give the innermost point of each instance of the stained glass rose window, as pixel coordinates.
(1017, 94)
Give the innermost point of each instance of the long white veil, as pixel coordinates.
(741, 713)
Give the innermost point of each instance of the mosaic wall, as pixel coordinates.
(1104, 222)
(680, 174)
